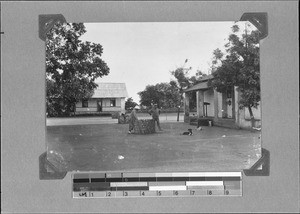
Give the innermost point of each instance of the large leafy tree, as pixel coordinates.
(71, 67)
(182, 81)
(239, 66)
(170, 95)
(130, 104)
(162, 94)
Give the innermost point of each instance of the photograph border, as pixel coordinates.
(23, 128)
(261, 168)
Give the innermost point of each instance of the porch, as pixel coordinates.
(100, 106)
(205, 106)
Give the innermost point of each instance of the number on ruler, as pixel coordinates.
(175, 193)
(108, 194)
(209, 192)
(91, 194)
(143, 193)
(125, 193)
(159, 193)
(192, 192)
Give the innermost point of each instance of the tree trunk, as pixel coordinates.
(251, 117)
(74, 109)
(178, 112)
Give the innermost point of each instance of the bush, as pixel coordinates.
(123, 119)
(115, 115)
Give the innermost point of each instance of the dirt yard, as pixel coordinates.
(108, 147)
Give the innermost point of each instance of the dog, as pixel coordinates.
(190, 132)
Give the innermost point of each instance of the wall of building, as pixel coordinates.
(230, 108)
(209, 97)
(224, 109)
(106, 102)
(122, 101)
(107, 108)
(246, 123)
(92, 105)
(240, 116)
(111, 109)
(256, 113)
(243, 116)
(220, 105)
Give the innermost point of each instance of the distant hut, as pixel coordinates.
(107, 98)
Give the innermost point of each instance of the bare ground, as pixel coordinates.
(108, 147)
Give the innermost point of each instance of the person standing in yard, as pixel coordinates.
(132, 119)
(155, 112)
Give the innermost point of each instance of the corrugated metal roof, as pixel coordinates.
(110, 90)
(208, 77)
(201, 85)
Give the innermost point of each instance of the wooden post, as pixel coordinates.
(224, 105)
(186, 108)
(236, 105)
(233, 102)
(200, 103)
(216, 107)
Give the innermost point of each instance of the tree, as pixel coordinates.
(129, 104)
(197, 78)
(71, 68)
(162, 94)
(170, 95)
(181, 82)
(239, 66)
(150, 96)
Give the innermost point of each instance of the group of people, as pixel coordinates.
(154, 112)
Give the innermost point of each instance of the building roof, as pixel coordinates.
(206, 78)
(110, 90)
(201, 85)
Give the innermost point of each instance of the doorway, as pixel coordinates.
(99, 105)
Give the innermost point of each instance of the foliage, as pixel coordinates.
(183, 81)
(71, 68)
(162, 94)
(197, 78)
(239, 66)
(129, 104)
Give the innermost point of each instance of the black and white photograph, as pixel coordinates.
(158, 96)
(149, 106)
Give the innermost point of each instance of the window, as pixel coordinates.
(112, 102)
(85, 103)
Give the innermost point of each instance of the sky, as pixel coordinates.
(143, 53)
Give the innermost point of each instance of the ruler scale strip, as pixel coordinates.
(116, 184)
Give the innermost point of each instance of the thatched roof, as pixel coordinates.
(110, 90)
